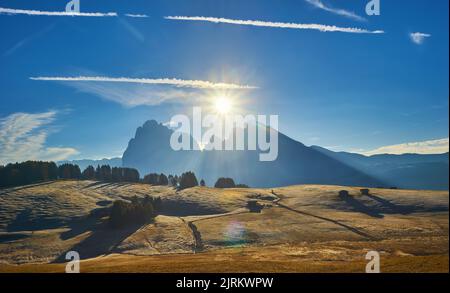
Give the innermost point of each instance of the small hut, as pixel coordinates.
(364, 191)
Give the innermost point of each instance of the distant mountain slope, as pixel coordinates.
(413, 171)
(114, 162)
(150, 151)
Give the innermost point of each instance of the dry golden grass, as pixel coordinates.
(231, 261)
(306, 228)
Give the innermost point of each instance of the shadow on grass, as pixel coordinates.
(102, 240)
(350, 228)
(14, 189)
(11, 237)
(27, 220)
(391, 208)
(93, 184)
(358, 206)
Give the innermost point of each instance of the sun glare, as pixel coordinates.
(223, 105)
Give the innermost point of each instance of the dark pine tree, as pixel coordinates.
(188, 180)
(163, 180)
(88, 173)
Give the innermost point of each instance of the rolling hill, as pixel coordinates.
(300, 228)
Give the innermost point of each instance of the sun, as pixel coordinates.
(223, 105)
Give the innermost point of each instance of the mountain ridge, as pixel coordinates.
(149, 151)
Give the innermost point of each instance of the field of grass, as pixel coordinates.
(309, 228)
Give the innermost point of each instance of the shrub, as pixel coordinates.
(202, 183)
(343, 193)
(240, 185)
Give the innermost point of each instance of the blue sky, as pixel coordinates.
(341, 90)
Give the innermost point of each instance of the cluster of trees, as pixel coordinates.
(69, 171)
(228, 183)
(186, 180)
(156, 179)
(108, 174)
(137, 211)
(27, 172)
(225, 183)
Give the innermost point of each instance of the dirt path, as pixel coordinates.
(198, 244)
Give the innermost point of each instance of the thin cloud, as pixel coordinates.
(132, 30)
(54, 13)
(438, 146)
(418, 38)
(132, 95)
(342, 12)
(28, 40)
(259, 23)
(136, 15)
(23, 137)
(197, 84)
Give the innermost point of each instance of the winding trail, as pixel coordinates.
(197, 237)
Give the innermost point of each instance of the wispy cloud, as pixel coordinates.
(136, 15)
(342, 12)
(259, 23)
(197, 84)
(55, 13)
(23, 137)
(437, 146)
(132, 95)
(418, 38)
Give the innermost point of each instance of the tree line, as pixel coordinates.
(108, 174)
(29, 172)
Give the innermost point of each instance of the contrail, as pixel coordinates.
(55, 13)
(136, 15)
(199, 84)
(311, 26)
(342, 12)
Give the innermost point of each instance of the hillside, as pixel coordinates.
(298, 225)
